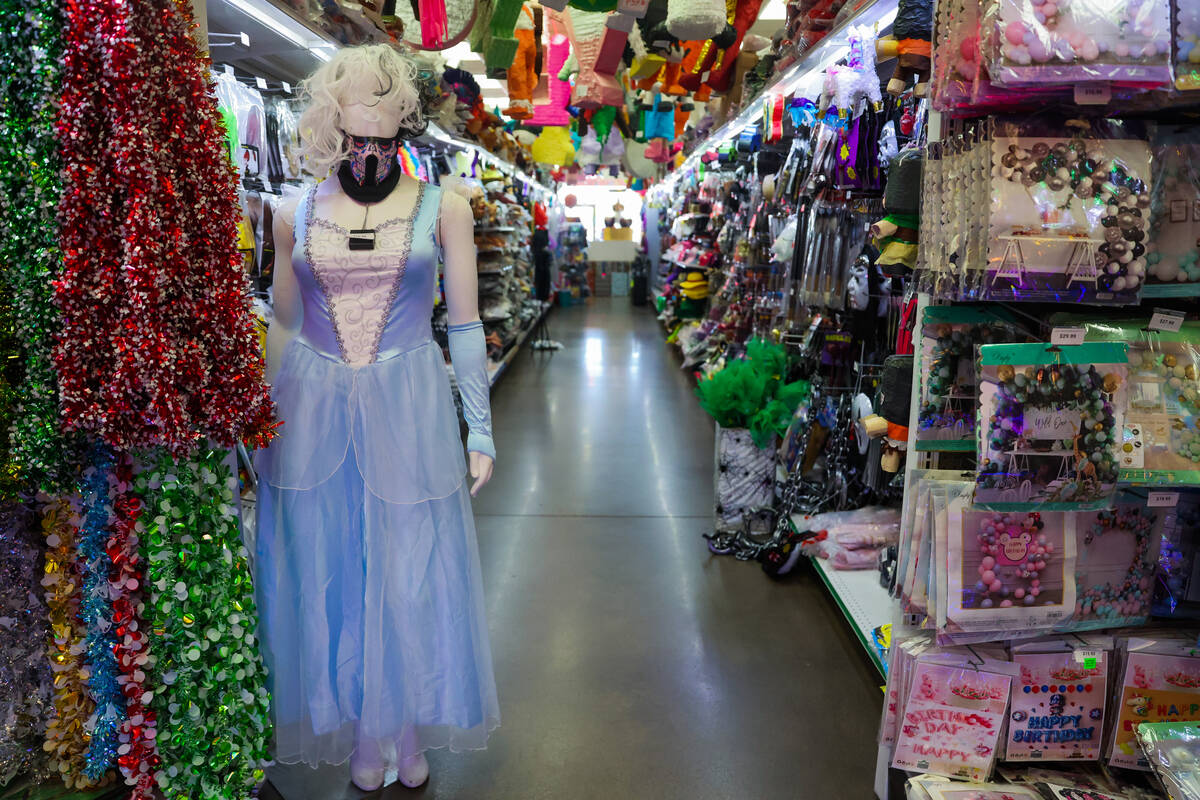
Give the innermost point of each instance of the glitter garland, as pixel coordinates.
(96, 610)
(137, 755)
(25, 686)
(212, 702)
(30, 52)
(66, 736)
(158, 346)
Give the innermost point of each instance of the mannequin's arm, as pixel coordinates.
(468, 351)
(289, 313)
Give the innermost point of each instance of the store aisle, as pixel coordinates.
(630, 663)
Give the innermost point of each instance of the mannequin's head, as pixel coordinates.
(367, 91)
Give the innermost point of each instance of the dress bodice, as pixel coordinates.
(363, 306)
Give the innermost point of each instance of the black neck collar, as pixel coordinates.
(373, 193)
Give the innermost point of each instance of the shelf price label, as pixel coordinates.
(1162, 500)
(1061, 336)
(1166, 320)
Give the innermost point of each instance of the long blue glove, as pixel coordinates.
(468, 353)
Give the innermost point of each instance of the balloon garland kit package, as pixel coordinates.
(1049, 418)
(1160, 682)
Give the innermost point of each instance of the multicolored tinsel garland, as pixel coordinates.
(158, 348)
(96, 610)
(25, 685)
(212, 701)
(66, 735)
(30, 55)
(137, 756)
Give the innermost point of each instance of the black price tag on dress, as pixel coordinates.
(362, 239)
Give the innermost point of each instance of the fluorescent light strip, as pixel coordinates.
(296, 32)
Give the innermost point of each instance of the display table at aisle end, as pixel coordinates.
(865, 604)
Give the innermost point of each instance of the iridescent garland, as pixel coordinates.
(30, 54)
(66, 735)
(212, 701)
(25, 685)
(138, 756)
(96, 610)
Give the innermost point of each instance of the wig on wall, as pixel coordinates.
(376, 75)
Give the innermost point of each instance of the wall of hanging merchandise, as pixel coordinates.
(1028, 576)
(127, 653)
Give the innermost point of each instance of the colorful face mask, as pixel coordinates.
(371, 158)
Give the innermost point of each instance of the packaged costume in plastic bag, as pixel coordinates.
(949, 390)
(1036, 42)
(1173, 750)
(1160, 683)
(1070, 207)
(1056, 712)
(1049, 420)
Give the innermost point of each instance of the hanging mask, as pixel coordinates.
(372, 158)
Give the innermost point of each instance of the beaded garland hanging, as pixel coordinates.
(1061, 386)
(1068, 165)
(1014, 552)
(1131, 596)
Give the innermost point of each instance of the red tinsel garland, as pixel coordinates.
(137, 756)
(157, 346)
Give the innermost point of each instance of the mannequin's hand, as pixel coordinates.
(481, 471)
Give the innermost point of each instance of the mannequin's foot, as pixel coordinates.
(366, 776)
(413, 771)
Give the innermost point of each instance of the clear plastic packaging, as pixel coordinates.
(1177, 584)
(1036, 42)
(949, 390)
(1173, 248)
(1049, 419)
(1070, 208)
(1160, 682)
(1056, 712)
(1173, 751)
(953, 714)
(1187, 45)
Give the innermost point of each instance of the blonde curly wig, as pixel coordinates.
(376, 75)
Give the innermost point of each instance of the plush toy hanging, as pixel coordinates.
(695, 19)
(910, 44)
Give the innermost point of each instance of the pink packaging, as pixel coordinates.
(1057, 707)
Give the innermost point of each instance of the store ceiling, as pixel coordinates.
(270, 54)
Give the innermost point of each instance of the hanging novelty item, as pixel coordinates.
(909, 44)
(522, 74)
(895, 236)
(436, 24)
(592, 89)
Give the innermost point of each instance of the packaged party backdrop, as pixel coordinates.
(949, 387)
(1057, 708)
(1160, 434)
(1173, 750)
(1173, 249)
(1049, 418)
(1160, 683)
(1070, 207)
(952, 720)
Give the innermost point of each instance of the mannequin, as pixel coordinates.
(367, 564)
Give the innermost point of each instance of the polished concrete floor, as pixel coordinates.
(630, 662)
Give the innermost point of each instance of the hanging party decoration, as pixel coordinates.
(96, 610)
(151, 291)
(25, 679)
(211, 701)
(66, 737)
(32, 450)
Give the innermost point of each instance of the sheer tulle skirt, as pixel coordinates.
(371, 610)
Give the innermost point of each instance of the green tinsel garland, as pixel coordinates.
(211, 696)
(31, 448)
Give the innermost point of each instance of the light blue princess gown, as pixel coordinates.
(367, 566)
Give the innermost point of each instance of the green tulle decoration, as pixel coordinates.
(750, 393)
